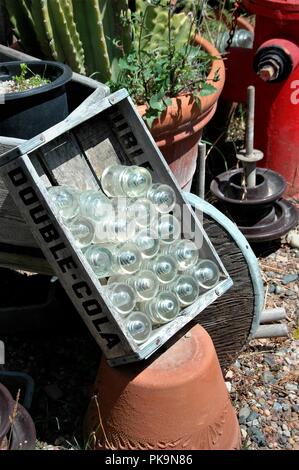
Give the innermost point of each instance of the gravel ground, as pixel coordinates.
(263, 382)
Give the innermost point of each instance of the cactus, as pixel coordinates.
(87, 34)
(23, 24)
(90, 35)
(156, 22)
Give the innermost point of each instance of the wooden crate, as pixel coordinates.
(100, 132)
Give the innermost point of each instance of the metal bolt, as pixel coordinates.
(269, 72)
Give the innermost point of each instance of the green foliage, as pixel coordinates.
(164, 64)
(27, 79)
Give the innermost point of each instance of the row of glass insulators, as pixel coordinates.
(92, 217)
(158, 302)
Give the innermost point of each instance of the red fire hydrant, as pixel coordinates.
(272, 67)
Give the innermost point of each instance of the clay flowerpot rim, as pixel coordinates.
(183, 115)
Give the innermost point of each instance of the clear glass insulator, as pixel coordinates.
(131, 181)
(162, 196)
(64, 201)
(185, 253)
(139, 326)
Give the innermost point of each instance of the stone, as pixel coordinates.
(243, 432)
(228, 386)
(243, 414)
(255, 422)
(277, 407)
(229, 374)
(267, 412)
(268, 377)
(257, 436)
(278, 290)
(289, 278)
(282, 440)
(293, 239)
(270, 360)
(285, 407)
(291, 387)
(287, 433)
(271, 289)
(295, 408)
(253, 416)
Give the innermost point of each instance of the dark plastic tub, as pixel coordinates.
(24, 115)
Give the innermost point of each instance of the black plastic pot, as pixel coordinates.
(24, 115)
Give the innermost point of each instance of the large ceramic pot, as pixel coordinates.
(179, 129)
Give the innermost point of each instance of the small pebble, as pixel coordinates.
(291, 387)
(289, 278)
(243, 414)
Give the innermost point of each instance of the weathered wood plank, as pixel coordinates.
(99, 145)
(64, 160)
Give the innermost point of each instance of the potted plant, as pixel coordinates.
(33, 97)
(175, 77)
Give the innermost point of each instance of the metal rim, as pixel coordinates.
(244, 247)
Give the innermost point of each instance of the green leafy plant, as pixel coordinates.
(27, 79)
(162, 66)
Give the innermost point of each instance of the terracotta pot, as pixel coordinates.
(179, 401)
(243, 23)
(179, 128)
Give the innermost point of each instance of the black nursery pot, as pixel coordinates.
(24, 115)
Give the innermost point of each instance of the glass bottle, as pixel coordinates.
(207, 274)
(139, 326)
(185, 253)
(164, 308)
(162, 196)
(64, 201)
(169, 228)
(100, 259)
(144, 283)
(186, 288)
(121, 296)
(121, 180)
(82, 230)
(147, 242)
(164, 266)
(94, 205)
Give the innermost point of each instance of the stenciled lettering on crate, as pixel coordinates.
(67, 265)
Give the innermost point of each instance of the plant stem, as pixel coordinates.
(139, 56)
